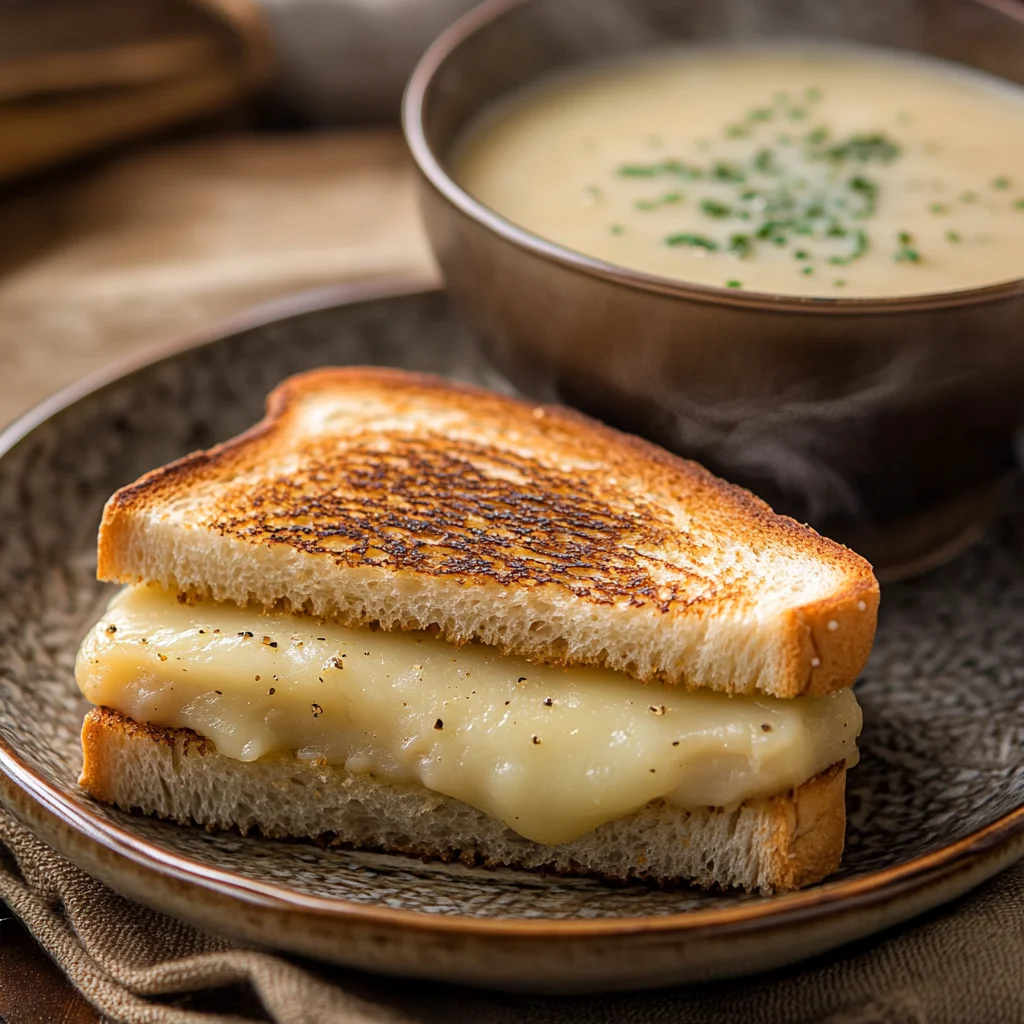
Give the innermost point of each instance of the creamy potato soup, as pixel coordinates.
(816, 171)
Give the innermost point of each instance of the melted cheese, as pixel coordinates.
(551, 752)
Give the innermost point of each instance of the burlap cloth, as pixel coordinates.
(962, 964)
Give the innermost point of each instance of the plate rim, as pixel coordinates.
(73, 811)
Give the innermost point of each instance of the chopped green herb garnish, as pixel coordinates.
(816, 199)
(740, 245)
(725, 171)
(695, 241)
(666, 167)
(954, 237)
(906, 252)
(860, 246)
(868, 192)
(668, 199)
(713, 208)
(866, 148)
(1018, 204)
(1002, 182)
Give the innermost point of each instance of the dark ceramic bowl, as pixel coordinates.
(885, 422)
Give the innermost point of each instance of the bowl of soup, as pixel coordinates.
(785, 239)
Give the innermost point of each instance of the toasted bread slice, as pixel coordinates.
(371, 495)
(770, 845)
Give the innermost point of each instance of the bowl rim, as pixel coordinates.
(74, 811)
(429, 164)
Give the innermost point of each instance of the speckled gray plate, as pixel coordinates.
(935, 807)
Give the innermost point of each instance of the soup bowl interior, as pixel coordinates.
(885, 422)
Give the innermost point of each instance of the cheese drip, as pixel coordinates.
(552, 752)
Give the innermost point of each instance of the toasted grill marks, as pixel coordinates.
(444, 508)
(362, 477)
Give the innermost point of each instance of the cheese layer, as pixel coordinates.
(551, 752)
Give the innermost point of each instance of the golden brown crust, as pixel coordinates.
(803, 829)
(808, 829)
(99, 723)
(516, 514)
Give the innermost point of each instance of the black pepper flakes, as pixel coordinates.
(336, 662)
(257, 679)
(269, 642)
(111, 628)
(675, 743)
(507, 703)
(162, 657)
(271, 692)
(246, 634)
(220, 693)
(316, 709)
(657, 709)
(321, 638)
(765, 727)
(548, 702)
(439, 725)
(536, 740)
(522, 679)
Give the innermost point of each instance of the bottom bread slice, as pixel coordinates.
(771, 845)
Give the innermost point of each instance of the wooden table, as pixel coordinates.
(138, 249)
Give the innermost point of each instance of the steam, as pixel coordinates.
(789, 442)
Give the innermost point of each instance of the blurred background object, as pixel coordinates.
(76, 75)
(348, 60)
(79, 75)
(151, 178)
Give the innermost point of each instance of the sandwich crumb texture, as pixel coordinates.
(769, 845)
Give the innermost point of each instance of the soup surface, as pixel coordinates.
(801, 169)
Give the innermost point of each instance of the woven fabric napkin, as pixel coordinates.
(959, 965)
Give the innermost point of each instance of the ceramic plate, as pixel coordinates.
(935, 806)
